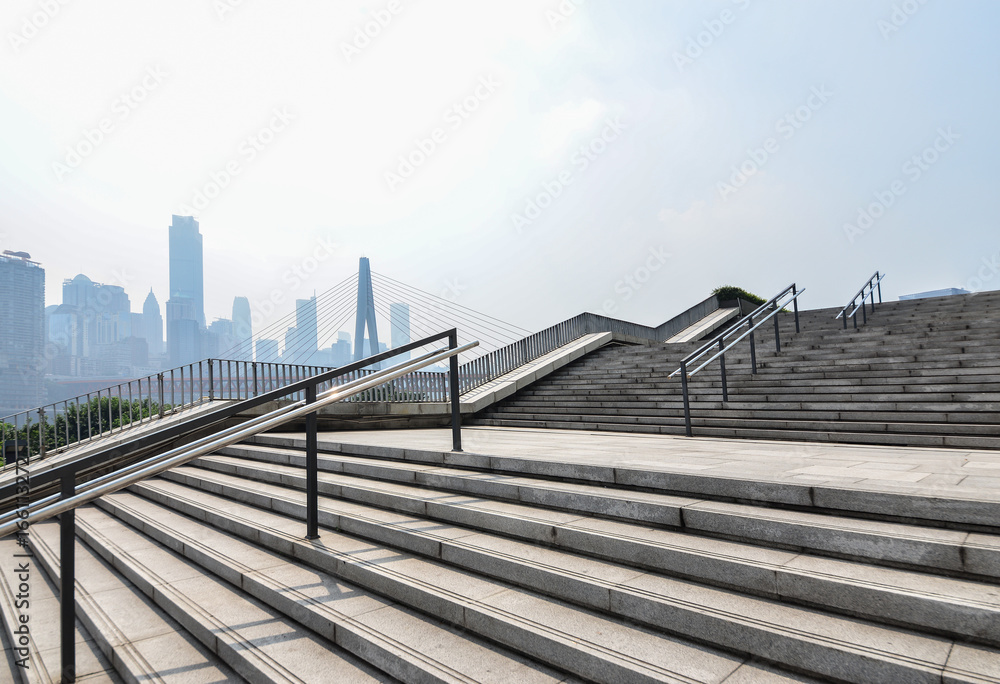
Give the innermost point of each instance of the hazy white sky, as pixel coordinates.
(421, 146)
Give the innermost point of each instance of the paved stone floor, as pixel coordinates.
(961, 473)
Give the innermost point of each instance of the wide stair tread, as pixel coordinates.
(574, 639)
(731, 620)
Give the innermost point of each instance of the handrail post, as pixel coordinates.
(211, 380)
(795, 303)
(67, 581)
(456, 406)
(312, 469)
(777, 335)
(864, 311)
(41, 432)
(722, 364)
(687, 402)
(753, 347)
(879, 286)
(159, 381)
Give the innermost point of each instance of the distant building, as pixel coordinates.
(183, 332)
(219, 341)
(91, 331)
(267, 351)
(947, 292)
(152, 323)
(22, 332)
(302, 340)
(242, 329)
(399, 322)
(187, 273)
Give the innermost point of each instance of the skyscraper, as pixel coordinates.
(22, 332)
(306, 331)
(187, 277)
(242, 329)
(152, 322)
(399, 327)
(186, 306)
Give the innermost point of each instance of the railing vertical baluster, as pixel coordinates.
(41, 432)
(753, 347)
(159, 382)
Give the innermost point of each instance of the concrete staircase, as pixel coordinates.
(439, 567)
(923, 372)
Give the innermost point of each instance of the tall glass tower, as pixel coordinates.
(243, 328)
(22, 332)
(187, 277)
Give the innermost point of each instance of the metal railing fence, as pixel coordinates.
(867, 291)
(767, 311)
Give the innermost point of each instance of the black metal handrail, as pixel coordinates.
(776, 304)
(73, 494)
(867, 290)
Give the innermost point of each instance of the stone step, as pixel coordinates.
(944, 507)
(882, 438)
(42, 663)
(275, 570)
(584, 642)
(832, 646)
(904, 422)
(956, 608)
(947, 551)
(134, 633)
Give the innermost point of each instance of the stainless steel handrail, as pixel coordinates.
(776, 304)
(871, 287)
(181, 455)
(732, 331)
(749, 331)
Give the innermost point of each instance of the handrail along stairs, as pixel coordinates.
(776, 303)
(69, 498)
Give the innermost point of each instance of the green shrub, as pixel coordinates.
(730, 292)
